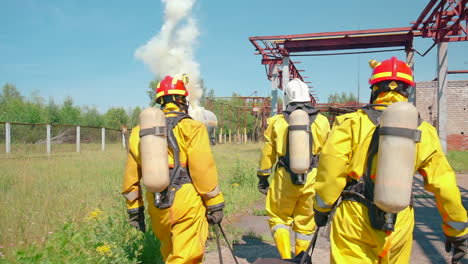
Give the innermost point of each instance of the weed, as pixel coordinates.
(259, 212)
(68, 207)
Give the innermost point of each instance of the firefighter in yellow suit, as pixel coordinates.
(357, 236)
(289, 203)
(182, 228)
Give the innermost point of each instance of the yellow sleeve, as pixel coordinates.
(268, 155)
(131, 188)
(320, 130)
(440, 179)
(331, 173)
(202, 167)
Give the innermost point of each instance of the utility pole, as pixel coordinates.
(358, 82)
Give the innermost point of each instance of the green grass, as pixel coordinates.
(259, 212)
(50, 205)
(66, 207)
(237, 166)
(100, 237)
(458, 160)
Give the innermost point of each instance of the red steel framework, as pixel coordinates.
(441, 20)
(234, 116)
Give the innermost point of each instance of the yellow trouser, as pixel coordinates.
(183, 228)
(289, 204)
(353, 240)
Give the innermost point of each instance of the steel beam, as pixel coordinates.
(274, 90)
(442, 85)
(285, 77)
(348, 42)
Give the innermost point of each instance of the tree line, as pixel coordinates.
(16, 108)
(231, 113)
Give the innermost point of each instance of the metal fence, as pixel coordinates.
(40, 138)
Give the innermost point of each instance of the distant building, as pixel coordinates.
(457, 110)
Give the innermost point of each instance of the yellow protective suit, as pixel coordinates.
(286, 203)
(343, 158)
(182, 228)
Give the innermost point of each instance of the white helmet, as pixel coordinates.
(296, 91)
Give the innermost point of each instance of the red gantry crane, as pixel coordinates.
(442, 20)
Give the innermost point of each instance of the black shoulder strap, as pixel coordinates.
(372, 113)
(311, 111)
(373, 149)
(165, 199)
(172, 122)
(375, 114)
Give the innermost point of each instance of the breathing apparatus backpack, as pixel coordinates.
(178, 175)
(391, 191)
(298, 160)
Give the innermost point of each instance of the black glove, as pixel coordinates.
(263, 184)
(321, 218)
(137, 218)
(459, 245)
(215, 217)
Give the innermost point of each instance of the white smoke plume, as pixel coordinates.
(171, 51)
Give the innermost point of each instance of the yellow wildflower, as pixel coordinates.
(96, 214)
(104, 250)
(235, 184)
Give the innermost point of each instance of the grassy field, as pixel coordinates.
(458, 160)
(67, 208)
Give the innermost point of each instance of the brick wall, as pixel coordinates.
(457, 110)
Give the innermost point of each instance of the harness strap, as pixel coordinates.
(310, 110)
(184, 177)
(373, 149)
(413, 134)
(178, 175)
(299, 127)
(156, 131)
(373, 114)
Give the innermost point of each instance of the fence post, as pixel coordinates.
(245, 135)
(78, 141)
(48, 138)
(123, 140)
(7, 137)
(103, 139)
(220, 136)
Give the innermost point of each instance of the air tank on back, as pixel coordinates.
(153, 150)
(299, 137)
(395, 162)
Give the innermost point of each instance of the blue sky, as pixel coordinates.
(86, 49)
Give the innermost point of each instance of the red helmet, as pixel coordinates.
(392, 69)
(172, 86)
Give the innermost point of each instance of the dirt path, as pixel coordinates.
(256, 241)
